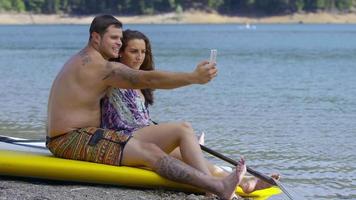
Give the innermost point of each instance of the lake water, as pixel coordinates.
(285, 96)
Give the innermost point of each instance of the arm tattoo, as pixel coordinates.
(126, 75)
(85, 57)
(175, 170)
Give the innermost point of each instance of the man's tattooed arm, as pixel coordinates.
(121, 76)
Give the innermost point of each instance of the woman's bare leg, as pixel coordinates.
(213, 169)
(176, 152)
(248, 184)
(168, 136)
(138, 153)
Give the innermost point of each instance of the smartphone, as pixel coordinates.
(213, 54)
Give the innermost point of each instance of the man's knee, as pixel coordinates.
(138, 153)
(152, 152)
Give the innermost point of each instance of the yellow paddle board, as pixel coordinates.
(41, 164)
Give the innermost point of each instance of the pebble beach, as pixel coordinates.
(36, 189)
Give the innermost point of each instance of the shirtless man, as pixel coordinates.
(74, 115)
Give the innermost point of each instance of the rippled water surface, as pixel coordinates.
(285, 97)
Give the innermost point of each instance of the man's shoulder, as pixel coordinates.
(90, 58)
(86, 65)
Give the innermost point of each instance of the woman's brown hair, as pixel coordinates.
(148, 63)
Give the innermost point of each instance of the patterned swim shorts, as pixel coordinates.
(90, 144)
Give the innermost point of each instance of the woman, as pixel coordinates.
(127, 109)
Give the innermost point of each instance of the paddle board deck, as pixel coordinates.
(33, 159)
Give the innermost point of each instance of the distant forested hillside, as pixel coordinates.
(140, 7)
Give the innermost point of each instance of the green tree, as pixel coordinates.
(320, 4)
(344, 5)
(310, 5)
(51, 6)
(164, 5)
(299, 5)
(5, 5)
(215, 4)
(272, 6)
(34, 6)
(64, 6)
(18, 5)
(137, 7)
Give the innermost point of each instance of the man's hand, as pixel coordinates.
(204, 72)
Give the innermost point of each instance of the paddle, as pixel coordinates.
(249, 170)
(10, 140)
(22, 142)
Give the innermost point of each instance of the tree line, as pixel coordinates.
(140, 7)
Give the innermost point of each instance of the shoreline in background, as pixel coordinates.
(195, 17)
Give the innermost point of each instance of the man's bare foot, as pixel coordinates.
(233, 180)
(251, 184)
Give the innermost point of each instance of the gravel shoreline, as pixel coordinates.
(37, 189)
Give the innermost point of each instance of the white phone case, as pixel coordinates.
(213, 54)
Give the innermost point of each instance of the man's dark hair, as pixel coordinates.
(102, 22)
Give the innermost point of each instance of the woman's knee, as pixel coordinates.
(187, 125)
(186, 128)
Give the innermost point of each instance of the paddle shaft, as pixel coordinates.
(10, 140)
(233, 162)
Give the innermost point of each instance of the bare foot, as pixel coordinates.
(233, 180)
(201, 138)
(251, 184)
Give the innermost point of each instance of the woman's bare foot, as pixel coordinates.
(250, 184)
(233, 180)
